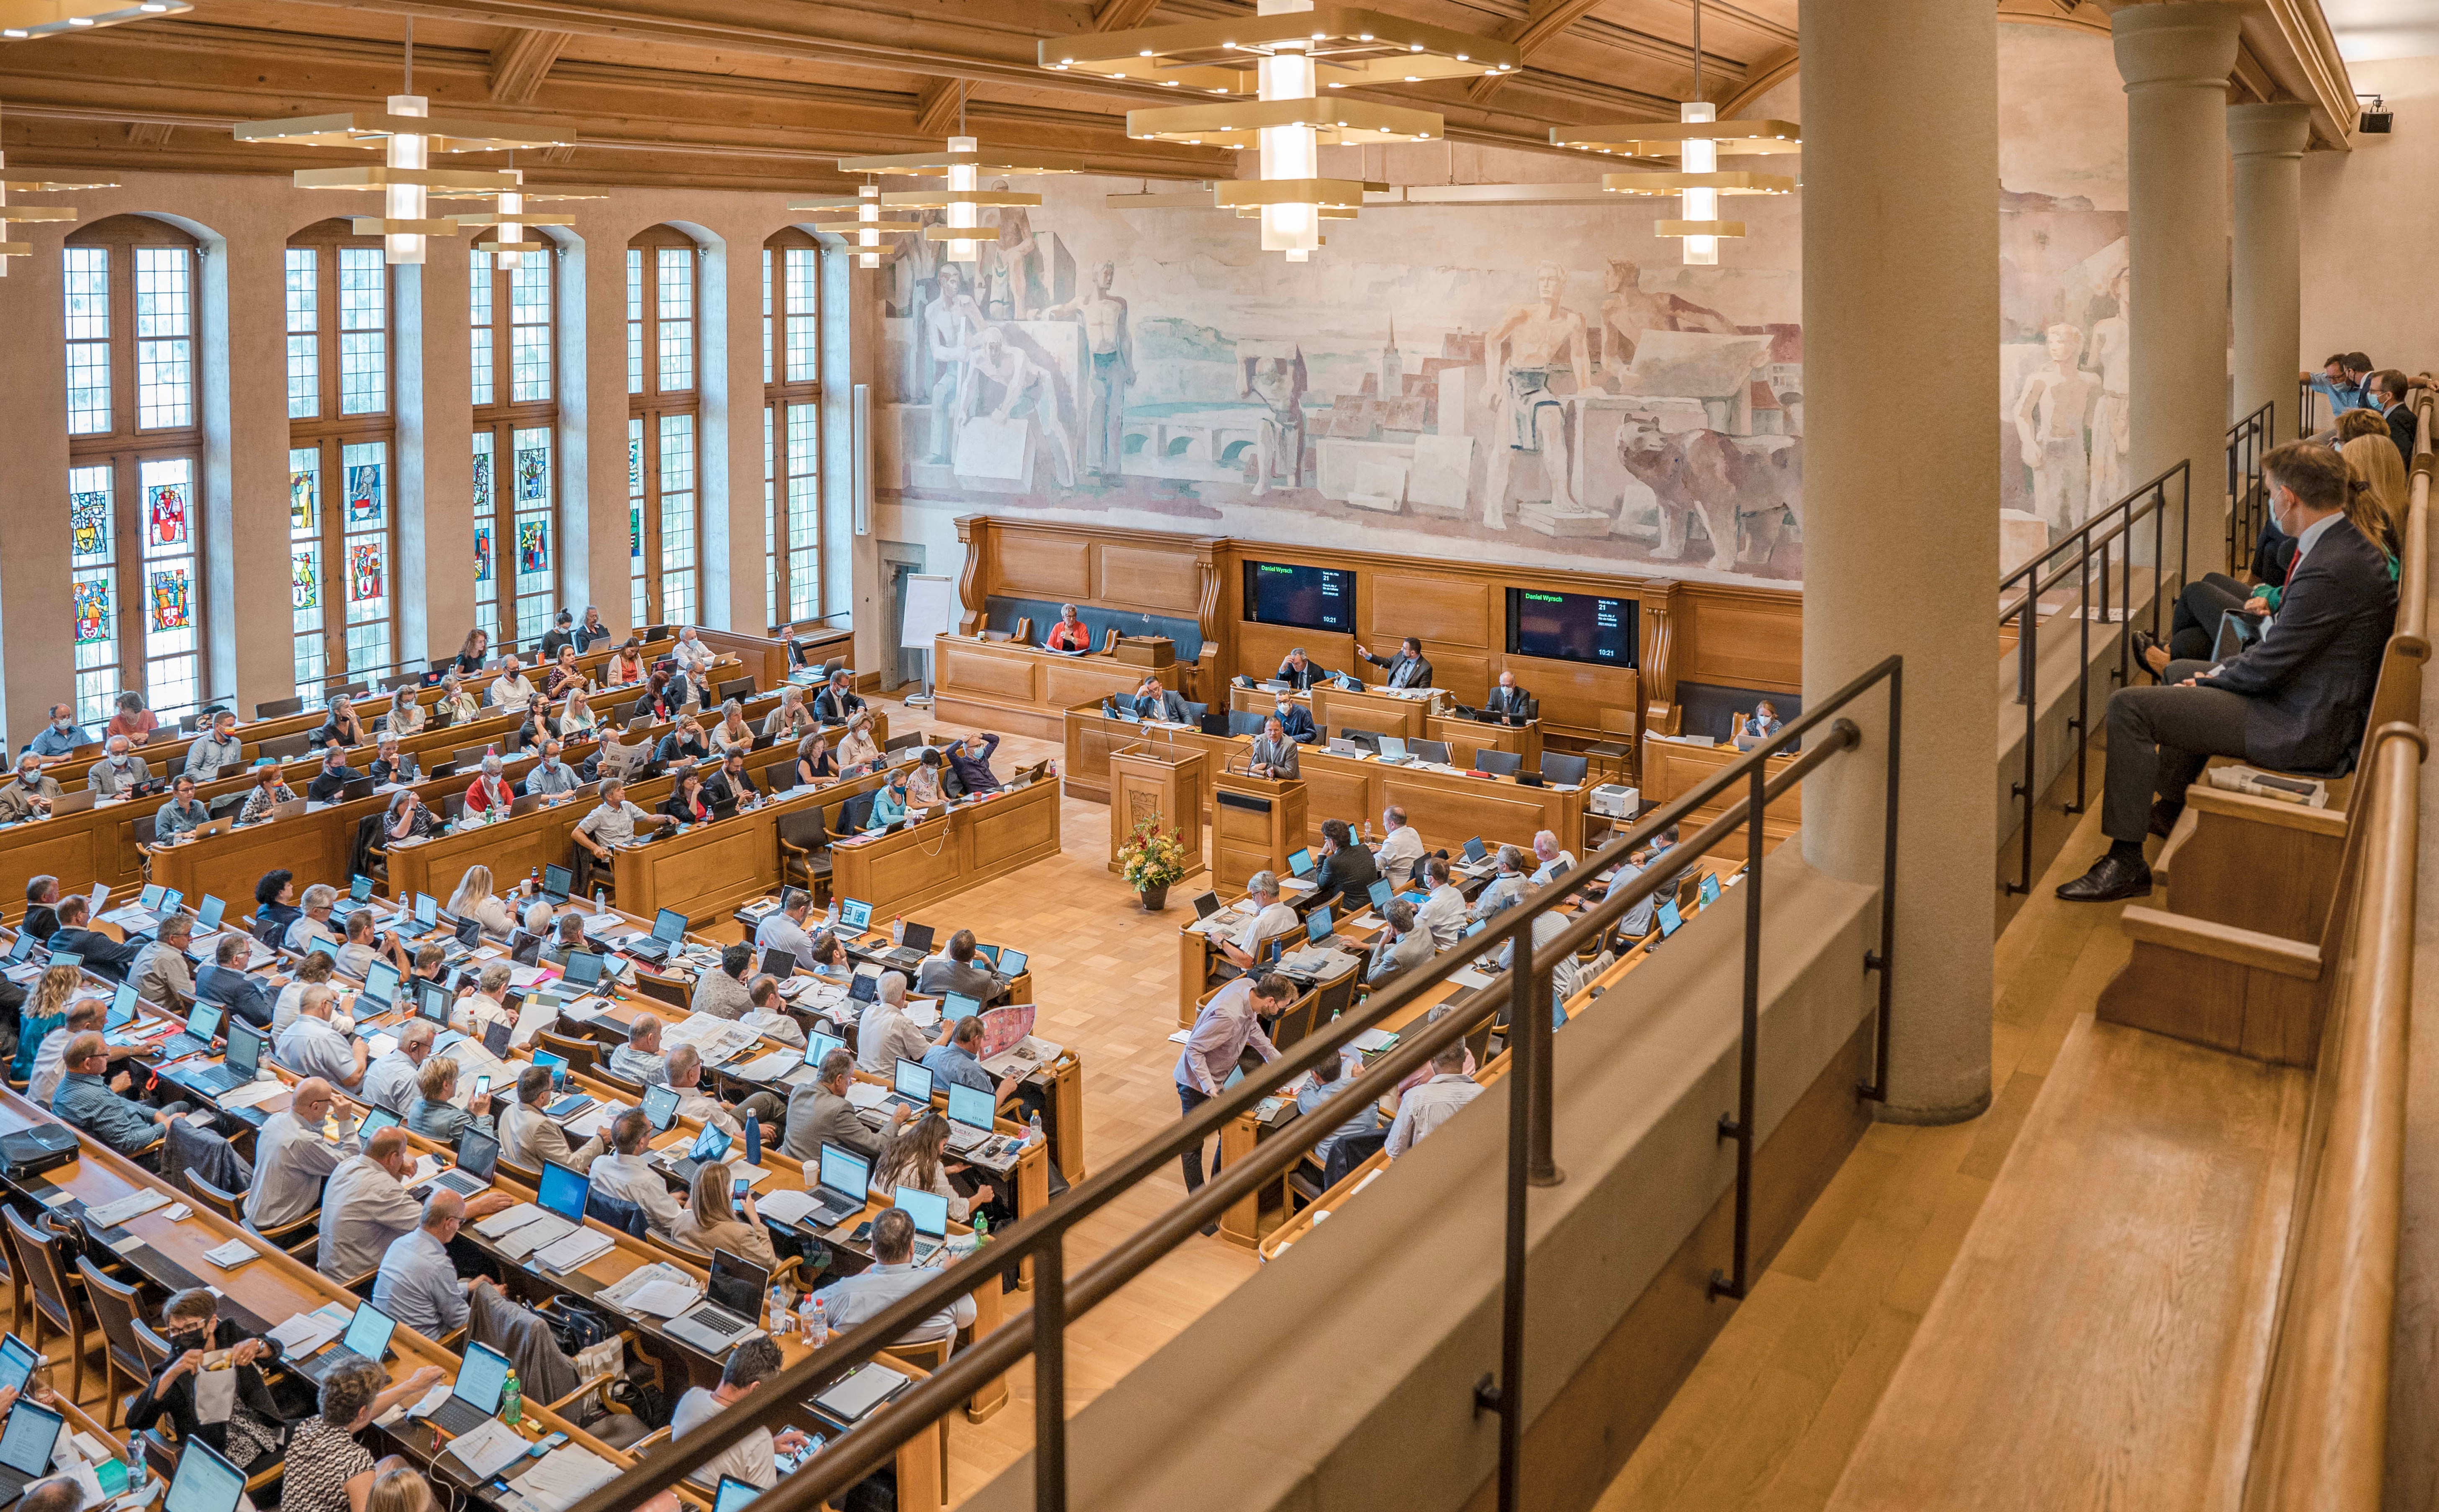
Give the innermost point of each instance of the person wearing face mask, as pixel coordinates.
(511, 692)
(592, 631)
(551, 777)
(191, 1321)
(60, 739)
(218, 750)
(1295, 722)
(119, 771)
(333, 777)
(2294, 700)
(183, 812)
(30, 795)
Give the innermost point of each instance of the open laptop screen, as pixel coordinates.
(16, 1363)
(481, 1378)
(26, 1446)
(913, 1081)
(204, 1482)
(368, 1332)
(563, 1190)
(845, 1173)
(668, 926)
(736, 1284)
(929, 1210)
(971, 1106)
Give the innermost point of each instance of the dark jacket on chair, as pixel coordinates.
(2309, 677)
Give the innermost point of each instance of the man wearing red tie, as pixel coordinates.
(491, 790)
(1069, 634)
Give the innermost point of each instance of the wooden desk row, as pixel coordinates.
(1672, 768)
(1023, 689)
(1337, 708)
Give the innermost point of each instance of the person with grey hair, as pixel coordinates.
(1552, 858)
(885, 1036)
(529, 1139)
(435, 1114)
(118, 770)
(340, 726)
(292, 1159)
(455, 701)
(892, 1275)
(1506, 885)
(313, 926)
(1070, 634)
(390, 1082)
(732, 734)
(333, 777)
(1271, 918)
(837, 703)
(486, 1002)
(639, 1059)
(311, 1047)
(57, 1493)
(217, 749)
(1443, 910)
(405, 716)
(32, 794)
(511, 691)
(1403, 946)
(627, 1171)
(366, 944)
(565, 938)
(489, 790)
(590, 631)
(391, 765)
(552, 778)
(818, 1112)
(613, 823)
(160, 974)
(1298, 671)
(418, 1283)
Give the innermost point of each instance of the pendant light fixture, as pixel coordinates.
(868, 226)
(509, 245)
(960, 169)
(408, 132)
(1288, 57)
(23, 213)
(21, 18)
(1697, 142)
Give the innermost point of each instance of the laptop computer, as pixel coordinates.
(561, 1196)
(709, 1146)
(204, 1481)
(432, 1001)
(1300, 862)
(581, 970)
(237, 1070)
(376, 1119)
(1380, 892)
(859, 988)
(955, 1006)
(912, 1086)
(476, 1395)
(731, 1310)
(669, 930)
(17, 1362)
(732, 1494)
(970, 1113)
(1009, 962)
(1393, 750)
(208, 915)
(26, 1447)
(916, 945)
(202, 1026)
(367, 1339)
(660, 1108)
(1319, 927)
(855, 915)
(842, 1185)
(425, 919)
(930, 1211)
(558, 885)
(381, 988)
(478, 1155)
(523, 948)
(817, 1045)
(360, 893)
(777, 962)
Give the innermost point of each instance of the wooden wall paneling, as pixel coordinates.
(969, 667)
(1574, 693)
(1742, 638)
(1497, 812)
(1442, 610)
(1042, 566)
(1339, 793)
(1164, 581)
(1095, 677)
(974, 533)
(1466, 674)
(1260, 648)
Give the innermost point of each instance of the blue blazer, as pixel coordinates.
(1298, 722)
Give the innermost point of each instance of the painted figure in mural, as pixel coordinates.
(1627, 313)
(1533, 345)
(952, 325)
(1024, 388)
(1010, 264)
(2112, 414)
(1278, 383)
(2049, 425)
(1743, 500)
(1104, 315)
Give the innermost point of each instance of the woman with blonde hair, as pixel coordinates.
(791, 719)
(857, 749)
(474, 900)
(2375, 475)
(54, 994)
(916, 1156)
(715, 1220)
(398, 1486)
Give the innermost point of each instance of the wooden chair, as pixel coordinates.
(525, 1174)
(803, 851)
(1109, 641)
(13, 1273)
(616, 1083)
(118, 1307)
(1024, 633)
(581, 1055)
(674, 1250)
(661, 988)
(299, 1238)
(55, 1294)
(156, 1349)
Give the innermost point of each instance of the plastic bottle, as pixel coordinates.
(981, 1228)
(512, 1407)
(1037, 1136)
(777, 1308)
(753, 1139)
(816, 1321)
(898, 930)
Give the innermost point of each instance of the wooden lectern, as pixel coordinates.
(1168, 783)
(1257, 823)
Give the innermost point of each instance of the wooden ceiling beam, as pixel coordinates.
(1119, 16)
(939, 106)
(1549, 18)
(521, 61)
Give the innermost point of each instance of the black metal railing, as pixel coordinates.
(2248, 507)
(2112, 532)
(2308, 399)
(1059, 1299)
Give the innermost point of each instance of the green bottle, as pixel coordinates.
(512, 1408)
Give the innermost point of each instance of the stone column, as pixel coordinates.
(2175, 60)
(1901, 275)
(2268, 144)
(435, 490)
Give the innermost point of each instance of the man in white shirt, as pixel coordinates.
(1432, 1104)
(1553, 860)
(1443, 912)
(770, 1017)
(390, 1082)
(1565, 976)
(511, 692)
(783, 927)
(639, 1059)
(891, 1276)
(626, 1171)
(290, 1157)
(529, 1139)
(755, 1458)
(311, 1047)
(886, 1035)
(313, 925)
(693, 657)
(366, 1207)
(1271, 917)
(686, 1079)
(1402, 847)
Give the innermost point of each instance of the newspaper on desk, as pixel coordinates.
(715, 1039)
(565, 1476)
(633, 1293)
(768, 1068)
(1319, 963)
(572, 1250)
(253, 1094)
(1024, 1058)
(110, 1215)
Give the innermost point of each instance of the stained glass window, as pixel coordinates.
(304, 266)
(342, 530)
(364, 331)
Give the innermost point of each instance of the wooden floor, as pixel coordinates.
(1775, 1409)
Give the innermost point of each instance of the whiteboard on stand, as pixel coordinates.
(932, 611)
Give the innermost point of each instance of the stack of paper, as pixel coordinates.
(622, 1292)
(866, 1094)
(664, 1299)
(572, 1250)
(508, 1220)
(564, 1477)
(110, 1215)
(305, 1332)
(787, 1204)
(232, 1255)
(593, 1120)
(765, 1068)
(252, 1095)
(490, 1449)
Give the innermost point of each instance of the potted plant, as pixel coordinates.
(1151, 862)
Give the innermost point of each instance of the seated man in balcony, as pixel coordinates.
(2295, 701)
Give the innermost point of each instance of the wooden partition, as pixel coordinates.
(1740, 636)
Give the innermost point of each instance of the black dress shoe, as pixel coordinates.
(2144, 646)
(2109, 881)
(2164, 816)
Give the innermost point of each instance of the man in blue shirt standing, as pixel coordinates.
(2344, 380)
(60, 737)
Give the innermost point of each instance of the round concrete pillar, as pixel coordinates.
(2175, 60)
(2268, 144)
(1902, 521)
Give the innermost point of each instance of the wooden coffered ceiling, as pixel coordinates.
(765, 95)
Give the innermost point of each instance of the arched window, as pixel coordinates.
(342, 427)
(791, 428)
(516, 415)
(664, 410)
(135, 460)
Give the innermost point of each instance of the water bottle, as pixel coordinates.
(816, 1321)
(777, 1305)
(511, 1409)
(898, 930)
(1037, 1136)
(753, 1138)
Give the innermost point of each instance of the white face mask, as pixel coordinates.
(31, 777)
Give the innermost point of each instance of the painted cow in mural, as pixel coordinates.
(1740, 495)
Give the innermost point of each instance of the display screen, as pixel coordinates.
(1571, 627)
(1306, 597)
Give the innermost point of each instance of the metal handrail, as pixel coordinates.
(2089, 542)
(1057, 1299)
(2248, 500)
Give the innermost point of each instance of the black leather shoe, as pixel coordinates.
(2144, 646)
(2164, 816)
(2109, 881)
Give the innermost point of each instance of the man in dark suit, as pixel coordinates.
(103, 956)
(2296, 700)
(1508, 701)
(1298, 673)
(1407, 668)
(2395, 388)
(1153, 702)
(1295, 720)
(229, 982)
(1347, 870)
(837, 700)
